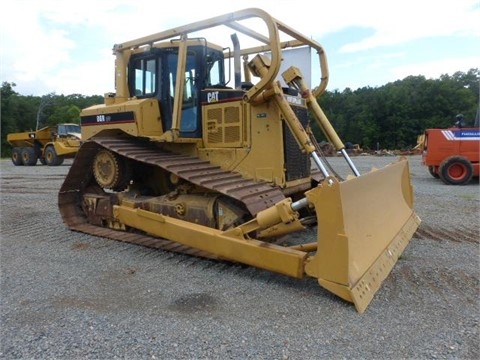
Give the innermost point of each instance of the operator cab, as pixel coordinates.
(67, 129)
(153, 74)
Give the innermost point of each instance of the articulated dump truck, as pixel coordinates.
(51, 145)
(206, 149)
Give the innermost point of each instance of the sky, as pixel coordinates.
(65, 47)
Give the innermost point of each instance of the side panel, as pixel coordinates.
(267, 155)
(223, 119)
(27, 138)
(243, 138)
(442, 143)
(66, 147)
(252, 139)
(134, 117)
(469, 143)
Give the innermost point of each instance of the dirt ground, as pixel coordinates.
(68, 295)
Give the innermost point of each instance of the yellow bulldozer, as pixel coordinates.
(51, 145)
(204, 149)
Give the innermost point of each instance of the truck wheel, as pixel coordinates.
(51, 157)
(29, 157)
(431, 170)
(17, 156)
(456, 170)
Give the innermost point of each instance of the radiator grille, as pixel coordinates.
(297, 164)
(224, 126)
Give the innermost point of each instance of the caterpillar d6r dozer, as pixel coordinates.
(181, 159)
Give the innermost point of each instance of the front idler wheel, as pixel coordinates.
(111, 171)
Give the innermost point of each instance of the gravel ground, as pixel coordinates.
(66, 295)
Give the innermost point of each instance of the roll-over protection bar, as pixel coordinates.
(270, 42)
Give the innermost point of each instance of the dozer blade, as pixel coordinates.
(364, 224)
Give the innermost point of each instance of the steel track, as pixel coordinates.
(256, 196)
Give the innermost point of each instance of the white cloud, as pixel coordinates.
(433, 69)
(41, 41)
(401, 21)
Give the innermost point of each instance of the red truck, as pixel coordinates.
(452, 154)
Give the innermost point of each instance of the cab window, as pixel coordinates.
(145, 77)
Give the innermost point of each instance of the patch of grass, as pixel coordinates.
(469, 196)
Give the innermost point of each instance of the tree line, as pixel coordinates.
(21, 113)
(393, 115)
(387, 117)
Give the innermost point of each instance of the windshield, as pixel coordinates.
(65, 129)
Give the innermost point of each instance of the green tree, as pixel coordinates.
(394, 114)
(64, 114)
(17, 114)
(24, 113)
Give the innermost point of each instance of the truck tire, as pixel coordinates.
(456, 170)
(51, 157)
(431, 170)
(29, 157)
(17, 156)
